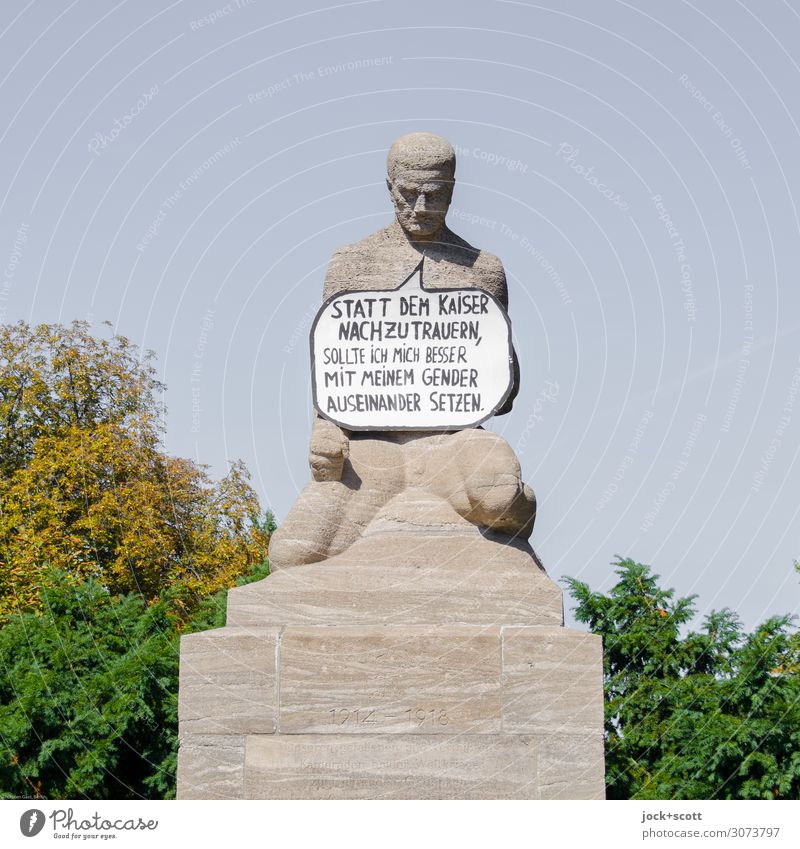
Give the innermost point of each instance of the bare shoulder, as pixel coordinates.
(490, 269)
(485, 269)
(492, 261)
(374, 241)
(352, 263)
(490, 265)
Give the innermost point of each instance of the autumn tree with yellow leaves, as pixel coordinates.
(109, 550)
(86, 487)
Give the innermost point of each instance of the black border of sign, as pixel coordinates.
(384, 428)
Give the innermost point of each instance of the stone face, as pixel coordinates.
(394, 766)
(227, 682)
(362, 680)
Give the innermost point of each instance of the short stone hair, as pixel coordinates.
(421, 152)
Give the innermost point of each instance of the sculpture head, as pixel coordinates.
(421, 175)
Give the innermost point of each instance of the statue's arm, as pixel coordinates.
(330, 444)
(330, 447)
(499, 288)
(509, 403)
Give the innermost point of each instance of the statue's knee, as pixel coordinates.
(490, 468)
(498, 497)
(505, 507)
(524, 512)
(286, 549)
(484, 453)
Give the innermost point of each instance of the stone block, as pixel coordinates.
(552, 681)
(571, 766)
(393, 679)
(228, 683)
(391, 579)
(211, 767)
(391, 766)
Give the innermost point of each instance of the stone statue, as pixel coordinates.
(416, 647)
(356, 474)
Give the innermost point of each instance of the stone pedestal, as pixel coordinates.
(409, 667)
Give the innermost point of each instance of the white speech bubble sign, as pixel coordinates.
(411, 358)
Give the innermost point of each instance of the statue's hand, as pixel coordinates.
(330, 447)
(509, 403)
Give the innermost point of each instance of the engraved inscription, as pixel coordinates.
(427, 716)
(342, 716)
(417, 716)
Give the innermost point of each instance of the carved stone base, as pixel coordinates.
(363, 695)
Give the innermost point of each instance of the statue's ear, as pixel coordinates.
(389, 185)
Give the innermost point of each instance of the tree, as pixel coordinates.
(86, 487)
(109, 550)
(88, 696)
(53, 378)
(714, 714)
(89, 691)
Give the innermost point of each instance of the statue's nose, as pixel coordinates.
(422, 204)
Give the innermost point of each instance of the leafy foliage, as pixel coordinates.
(109, 550)
(85, 486)
(714, 714)
(87, 696)
(89, 692)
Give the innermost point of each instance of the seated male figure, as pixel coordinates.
(355, 474)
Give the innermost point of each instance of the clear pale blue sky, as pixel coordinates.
(185, 171)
